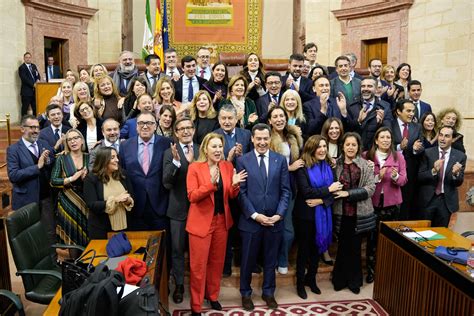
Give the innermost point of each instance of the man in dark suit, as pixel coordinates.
(293, 79)
(175, 168)
(52, 70)
(171, 64)
(54, 133)
(29, 76)
(153, 72)
(322, 107)
(188, 84)
(29, 163)
(441, 173)
(414, 92)
(142, 157)
(237, 143)
(406, 137)
(110, 130)
(272, 97)
(264, 200)
(368, 114)
(344, 83)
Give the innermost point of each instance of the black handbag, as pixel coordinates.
(141, 302)
(365, 223)
(75, 272)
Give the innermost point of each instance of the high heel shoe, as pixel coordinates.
(312, 285)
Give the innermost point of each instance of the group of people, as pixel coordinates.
(240, 165)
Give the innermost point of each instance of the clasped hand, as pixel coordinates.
(267, 221)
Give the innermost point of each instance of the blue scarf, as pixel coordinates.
(320, 175)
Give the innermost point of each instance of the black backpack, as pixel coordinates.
(141, 302)
(97, 296)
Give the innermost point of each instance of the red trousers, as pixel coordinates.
(206, 260)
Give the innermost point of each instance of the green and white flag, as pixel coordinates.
(147, 48)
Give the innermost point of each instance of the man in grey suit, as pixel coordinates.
(175, 168)
(441, 173)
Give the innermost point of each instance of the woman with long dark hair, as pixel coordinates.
(255, 76)
(216, 86)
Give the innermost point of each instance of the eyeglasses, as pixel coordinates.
(74, 138)
(147, 123)
(186, 128)
(205, 56)
(274, 83)
(32, 126)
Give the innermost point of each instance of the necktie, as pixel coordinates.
(31, 71)
(190, 90)
(275, 99)
(405, 130)
(115, 146)
(50, 72)
(34, 149)
(292, 86)
(439, 186)
(56, 133)
(416, 117)
(145, 158)
(366, 106)
(188, 152)
(263, 169)
(202, 73)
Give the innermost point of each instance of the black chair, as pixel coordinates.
(15, 300)
(33, 255)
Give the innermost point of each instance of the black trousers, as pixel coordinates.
(307, 254)
(437, 212)
(26, 101)
(348, 267)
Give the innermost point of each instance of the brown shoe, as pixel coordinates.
(270, 300)
(247, 303)
(178, 294)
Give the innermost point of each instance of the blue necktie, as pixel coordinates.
(56, 133)
(190, 90)
(263, 169)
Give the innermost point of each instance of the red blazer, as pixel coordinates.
(201, 195)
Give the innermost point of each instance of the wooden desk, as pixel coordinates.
(411, 280)
(158, 276)
(45, 91)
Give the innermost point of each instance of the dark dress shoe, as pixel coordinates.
(195, 313)
(215, 305)
(301, 291)
(312, 285)
(257, 269)
(270, 300)
(328, 262)
(178, 294)
(369, 278)
(247, 303)
(355, 290)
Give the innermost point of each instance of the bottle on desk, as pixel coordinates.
(470, 261)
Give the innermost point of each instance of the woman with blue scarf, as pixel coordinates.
(312, 212)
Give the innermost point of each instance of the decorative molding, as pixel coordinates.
(379, 8)
(61, 8)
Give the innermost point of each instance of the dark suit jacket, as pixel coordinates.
(424, 108)
(24, 174)
(253, 94)
(178, 87)
(262, 105)
(98, 223)
(369, 126)
(242, 136)
(202, 127)
(151, 87)
(28, 79)
(47, 135)
(174, 180)
(315, 118)
(414, 133)
(338, 86)
(306, 191)
(56, 72)
(268, 200)
(429, 181)
(151, 184)
(129, 129)
(305, 88)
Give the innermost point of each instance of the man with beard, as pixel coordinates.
(368, 114)
(294, 81)
(319, 109)
(29, 163)
(344, 83)
(153, 72)
(126, 70)
(110, 130)
(29, 76)
(54, 133)
(441, 173)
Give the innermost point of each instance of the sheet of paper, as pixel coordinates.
(127, 290)
(428, 234)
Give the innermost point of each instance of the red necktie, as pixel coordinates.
(202, 73)
(405, 130)
(439, 185)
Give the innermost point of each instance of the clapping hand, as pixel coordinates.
(457, 167)
(238, 178)
(174, 152)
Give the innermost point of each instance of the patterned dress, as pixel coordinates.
(72, 212)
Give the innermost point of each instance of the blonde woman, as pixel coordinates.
(203, 115)
(164, 95)
(107, 99)
(80, 94)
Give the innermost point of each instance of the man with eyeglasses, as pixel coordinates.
(29, 163)
(203, 69)
(272, 97)
(142, 157)
(175, 168)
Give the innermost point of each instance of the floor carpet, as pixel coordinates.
(330, 308)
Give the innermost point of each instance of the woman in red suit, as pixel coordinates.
(211, 182)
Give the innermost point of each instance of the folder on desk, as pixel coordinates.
(424, 235)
